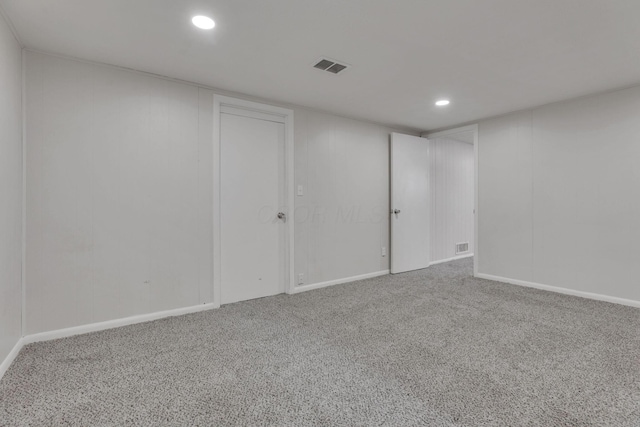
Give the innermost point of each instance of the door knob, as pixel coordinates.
(396, 211)
(281, 215)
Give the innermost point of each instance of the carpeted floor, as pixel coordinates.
(434, 347)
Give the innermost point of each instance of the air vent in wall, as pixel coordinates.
(462, 247)
(329, 65)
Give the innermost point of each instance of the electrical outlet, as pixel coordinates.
(300, 278)
(384, 251)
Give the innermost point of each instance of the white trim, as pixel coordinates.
(304, 288)
(476, 178)
(4, 366)
(243, 112)
(557, 289)
(440, 261)
(116, 323)
(23, 250)
(94, 327)
(220, 101)
(291, 200)
(476, 200)
(216, 201)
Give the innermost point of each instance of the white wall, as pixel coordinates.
(119, 185)
(452, 178)
(342, 221)
(118, 194)
(10, 190)
(559, 195)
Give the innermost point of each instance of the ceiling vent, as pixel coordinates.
(330, 65)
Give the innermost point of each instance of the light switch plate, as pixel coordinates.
(300, 190)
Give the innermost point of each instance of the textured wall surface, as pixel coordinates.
(342, 221)
(558, 195)
(452, 178)
(118, 194)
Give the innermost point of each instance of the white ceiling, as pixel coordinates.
(489, 57)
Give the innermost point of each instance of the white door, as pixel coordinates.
(252, 194)
(410, 203)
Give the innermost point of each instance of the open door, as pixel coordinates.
(410, 203)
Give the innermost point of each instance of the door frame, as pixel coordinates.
(470, 128)
(287, 115)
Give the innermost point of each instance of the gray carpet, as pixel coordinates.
(434, 347)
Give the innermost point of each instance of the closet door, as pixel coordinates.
(410, 203)
(252, 195)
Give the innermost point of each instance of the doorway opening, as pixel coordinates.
(433, 198)
(456, 192)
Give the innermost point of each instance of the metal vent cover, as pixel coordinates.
(324, 64)
(462, 247)
(336, 68)
(330, 65)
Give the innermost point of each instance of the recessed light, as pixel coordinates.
(203, 22)
(442, 102)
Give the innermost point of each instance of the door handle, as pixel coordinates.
(281, 215)
(396, 211)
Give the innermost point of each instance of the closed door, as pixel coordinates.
(252, 181)
(410, 203)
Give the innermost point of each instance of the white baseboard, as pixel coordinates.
(440, 261)
(4, 366)
(312, 286)
(116, 323)
(589, 295)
